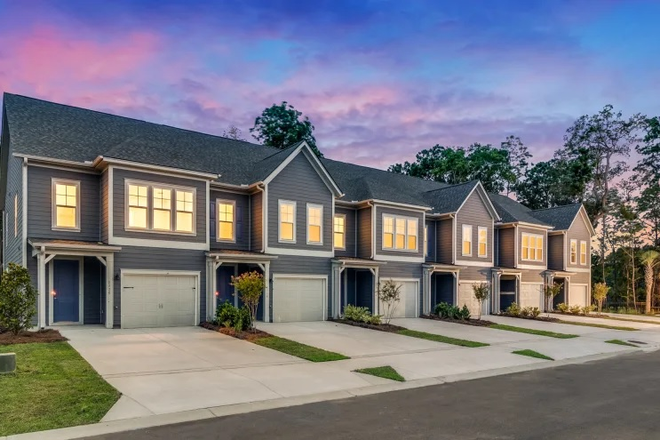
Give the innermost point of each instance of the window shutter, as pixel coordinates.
(213, 220)
(239, 223)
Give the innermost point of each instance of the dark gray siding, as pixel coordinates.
(380, 210)
(579, 232)
(201, 206)
(474, 213)
(350, 232)
(506, 251)
(94, 291)
(541, 232)
(299, 183)
(32, 269)
(445, 249)
(364, 235)
(256, 220)
(556, 251)
(242, 218)
(131, 257)
(474, 273)
(103, 220)
(14, 245)
(431, 254)
(40, 204)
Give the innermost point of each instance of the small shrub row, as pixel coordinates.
(522, 312)
(575, 309)
(447, 311)
(361, 314)
(236, 318)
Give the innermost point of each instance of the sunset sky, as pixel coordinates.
(380, 80)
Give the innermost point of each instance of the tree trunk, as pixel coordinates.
(648, 279)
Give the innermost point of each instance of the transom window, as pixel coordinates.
(574, 252)
(160, 208)
(314, 224)
(400, 233)
(287, 221)
(340, 231)
(532, 247)
(583, 252)
(483, 242)
(467, 240)
(226, 220)
(66, 204)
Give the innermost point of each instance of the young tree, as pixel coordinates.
(233, 132)
(250, 286)
(18, 299)
(550, 292)
(600, 294)
(519, 161)
(281, 126)
(650, 261)
(389, 294)
(481, 293)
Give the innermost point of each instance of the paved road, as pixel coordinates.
(617, 398)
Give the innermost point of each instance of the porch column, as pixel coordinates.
(426, 290)
(41, 287)
(376, 305)
(336, 289)
(109, 291)
(495, 293)
(266, 269)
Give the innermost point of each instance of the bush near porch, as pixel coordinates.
(448, 313)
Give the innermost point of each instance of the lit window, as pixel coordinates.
(573, 251)
(184, 211)
(66, 205)
(411, 241)
(532, 247)
(314, 224)
(483, 242)
(137, 206)
(226, 220)
(340, 231)
(467, 240)
(287, 221)
(583, 252)
(400, 233)
(162, 202)
(388, 232)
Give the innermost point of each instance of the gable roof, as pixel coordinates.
(561, 217)
(513, 212)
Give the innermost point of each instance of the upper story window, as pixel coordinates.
(226, 220)
(483, 242)
(314, 224)
(532, 247)
(583, 252)
(287, 221)
(574, 251)
(340, 231)
(400, 233)
(467, 240)
(66, 204)
(159, 208)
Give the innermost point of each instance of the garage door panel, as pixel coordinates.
(407, 304)
(578, 295)
(298, 299)
(531, 295)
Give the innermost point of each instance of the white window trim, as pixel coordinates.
(281, 202)
(586, 253)
(405, 240)
(150, 206)
(479, 229)
(76, 183)
(308, 207)
(343, 233)
(536, 236)
(217, 220)
(463, 236)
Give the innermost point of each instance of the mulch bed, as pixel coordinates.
(27, 337)
(473, 322)
(249, 335)
(531, 318)
(390, 328)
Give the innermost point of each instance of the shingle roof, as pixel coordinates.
(561, 217)
(449, 198)
(511, 211)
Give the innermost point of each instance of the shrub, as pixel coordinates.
(361, 314)
(442, 309)
(464, 313)
(575, 310)
(481, 293)
(374, 319)
(525, 312)
(550, 291)
(18, 299)
(536, 312)
(587, 309)
(513, 310)
(562, 307)
(389, 294)
(250, 286)
(447, 311)
(232, 317)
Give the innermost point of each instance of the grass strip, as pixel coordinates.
(386, 372)
(589, 324)
(531, 331)
(620, 342)
(53, 387)
(534, 354)
(440, 338)
(297, 349)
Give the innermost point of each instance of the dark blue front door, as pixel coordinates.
(224, 287)
(66, 284)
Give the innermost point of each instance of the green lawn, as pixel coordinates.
(534, 354)
(609, 327)
(440, 338)
(531, 331)
(620, 342)
(53, 387)
(385, 372)
(299, 350)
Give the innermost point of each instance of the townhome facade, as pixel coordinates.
(130, 224)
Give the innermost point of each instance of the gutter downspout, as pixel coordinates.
(261, 187)
(373, 229)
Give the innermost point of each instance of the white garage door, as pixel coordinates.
(158, 300)
(531, 295)
(407, 304)
(578, 295)
(297, 299)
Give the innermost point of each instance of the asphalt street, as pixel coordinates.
(617, 398)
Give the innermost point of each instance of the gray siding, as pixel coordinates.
(40, 204)
(103, 220)
(431, 254)
(14, 245)
(380, 210)
(363, 239)
(556, 251)
(256, 221)
(351, 232)
(131, 257)
(299, 182)
(241, 216)
(541, 232)
(474, 273)
(474, 213)
(581, 278)
(532, 276)
(119, 200)
(445, 249)
(506, 251)
(579, 232)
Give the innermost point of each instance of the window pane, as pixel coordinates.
(226, 231)
(184, 201)
(467, 247)
(539, 254)
(162, 198)
(137, 217)
(184, 221)
(339, 240)
(412, 227)
(525, 240)
(286, 231)
(400, 241)
(286, 212)
(400, 226)
(137, 195)
(314, 216)
(226, 213)
(388, 224)
(412, 242)
(525, 253)
(482, 249)
(388, 240)
(65, 217)
(314, 234)
(162, 220)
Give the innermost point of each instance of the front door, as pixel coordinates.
(66, 284)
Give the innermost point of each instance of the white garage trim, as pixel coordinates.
(324, 298)
(192, 273)
(408, 280)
